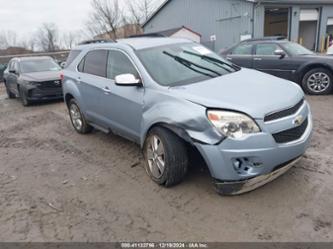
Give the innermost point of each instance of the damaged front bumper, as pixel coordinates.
(240, 166)
(37, 94)
(241, 187)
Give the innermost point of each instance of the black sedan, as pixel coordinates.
(33, 79)
(286, 60)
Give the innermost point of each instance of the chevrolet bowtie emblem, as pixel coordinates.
(298, 120)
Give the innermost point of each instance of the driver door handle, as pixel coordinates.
(107, 90)
(78, 80)
(258, 59)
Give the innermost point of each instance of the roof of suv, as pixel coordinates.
(139, 43)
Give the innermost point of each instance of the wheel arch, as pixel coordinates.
(71, 91)
(306, 68)
(68, 97)
(177, 130)
(195, 155)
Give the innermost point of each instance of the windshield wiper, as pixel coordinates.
(215, 61)
(188, 64)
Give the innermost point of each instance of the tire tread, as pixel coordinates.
(86, 128)
(176, 157)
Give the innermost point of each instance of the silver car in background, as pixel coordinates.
(169, 95)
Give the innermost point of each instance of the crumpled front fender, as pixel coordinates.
(188, 120)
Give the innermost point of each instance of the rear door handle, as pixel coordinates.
(78, 80)
(258, 59)
(107, 90)
(229, 58)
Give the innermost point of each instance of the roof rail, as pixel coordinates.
(96, 41)
(153, 35)
(268, 38)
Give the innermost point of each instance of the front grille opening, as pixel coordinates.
(51, 84)
(284, 113)
(292, 134)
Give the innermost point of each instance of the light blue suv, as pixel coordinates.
(172, 96)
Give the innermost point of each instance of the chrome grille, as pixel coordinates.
(284, 113)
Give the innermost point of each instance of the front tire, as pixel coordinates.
(77, 118)
(166, 159)
(23, 96)
(9, 93)
(318, 81)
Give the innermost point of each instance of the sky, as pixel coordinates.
(25, 16)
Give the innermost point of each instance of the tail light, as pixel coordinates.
(62, 76)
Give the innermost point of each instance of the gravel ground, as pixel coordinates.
(57, 185)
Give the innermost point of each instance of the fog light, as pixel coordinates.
(237, 164)
(258, 164)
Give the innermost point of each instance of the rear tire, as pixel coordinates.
(77, 118)
(318, 81)
(23, 96)
(9, 93)
(166, 159)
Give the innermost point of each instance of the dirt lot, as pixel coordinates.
(57, 185)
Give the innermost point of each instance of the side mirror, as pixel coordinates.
(13, 71)
(63, 64)
(127, 80)
(280, 52)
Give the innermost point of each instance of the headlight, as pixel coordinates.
(232, 124)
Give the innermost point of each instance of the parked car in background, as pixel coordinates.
(33, 79)
(169, 95)
(284, 59)
(2, 69)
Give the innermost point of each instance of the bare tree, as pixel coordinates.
(140, 10)
(29, 44)
(47, 37)
(70, 39)
(32, 43)
(8, 39)
(105, 18)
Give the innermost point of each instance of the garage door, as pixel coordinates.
(330, 21)
(309, 15)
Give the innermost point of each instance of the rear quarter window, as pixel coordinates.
(95, 63)
(72, 56)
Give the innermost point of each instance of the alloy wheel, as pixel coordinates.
(318, 82)
(156, 157)
(76, 117)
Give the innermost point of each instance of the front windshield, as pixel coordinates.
(296, 49)
(40, 65)
(181, 64)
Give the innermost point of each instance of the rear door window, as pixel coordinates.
(243, 49)
(95, 63)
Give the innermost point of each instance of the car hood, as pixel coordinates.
(41, 76)
(254, 93)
